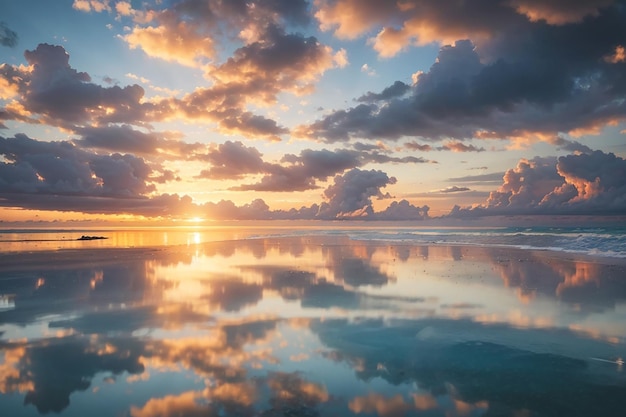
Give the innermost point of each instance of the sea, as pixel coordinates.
(339, 320)
(608, 241)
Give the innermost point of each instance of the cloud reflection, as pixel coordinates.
(254, 327)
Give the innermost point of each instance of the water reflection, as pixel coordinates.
(312, 326)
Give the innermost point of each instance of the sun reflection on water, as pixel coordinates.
(309, 325)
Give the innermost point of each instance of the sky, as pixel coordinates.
(315, 110)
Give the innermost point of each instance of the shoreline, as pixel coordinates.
(75, 257)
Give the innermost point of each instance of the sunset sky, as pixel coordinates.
(321, 109)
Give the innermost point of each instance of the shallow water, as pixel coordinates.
(313, 325)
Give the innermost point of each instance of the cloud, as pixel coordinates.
(256, 73)
(449, 146)
(232, 160)
(587, 183)
(246, 123)
(281, 60)
(380, 405)
(559, 12)
(570, 145)
(396, 90)
(402, 210)
(454, 189)
(92, 5)
(53, 92)
(293, 172)
(487, 82)
(60, 176)
(126, 139)
(189, 31)
(7, 36)
(460, 147)
(400, 25)
(351, 194)
(304, 170)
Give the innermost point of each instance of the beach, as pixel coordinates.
(312, 324)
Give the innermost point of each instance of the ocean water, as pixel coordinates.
(354, 322)
(600, 241)
(595, 241)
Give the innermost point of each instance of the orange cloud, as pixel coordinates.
(11, 378)
(420, 23)
(350, 18)
(424, 401)
(182, 404)
(173, 41)
(618, 56)
(92, 5)
(576, 274)
(559, 12)
(419, 32)
(381, 405)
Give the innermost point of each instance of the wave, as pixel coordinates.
(594, 242)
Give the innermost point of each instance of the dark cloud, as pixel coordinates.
(560, 12)
(403, 210)
(254, 125)
(396, 90)
(126, 139)
(351, 194)
(256, 73)
(60, 168)
(59, 95)
(424, 147)
(232, 160)
(450, 146)
(591, 183)
(61, 176)
(494, 84)
(570, 145)
(302, 172)
(201, 24)
(7, 36)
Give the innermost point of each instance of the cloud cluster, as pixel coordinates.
(123, 138)
(269, 61)
(60, 168)
(588, 183)
(419, 22)
(62, 176)
(234, 160)
(50, 91)
(565, 75)
(516, 70)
